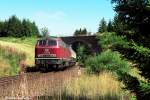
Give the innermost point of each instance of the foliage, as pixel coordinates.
(110, 27)
(142, 56)
(135, 14)
(81, 32)
(82, 53)
(121, 28)
(133, 52)
(107, 60)
(16, 28)
(111, 40)
(29, 29)
(102, 26)
(44, 32)
(140, 88)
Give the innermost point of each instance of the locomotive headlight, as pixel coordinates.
(40, 55)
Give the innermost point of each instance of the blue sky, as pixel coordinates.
(61, 17)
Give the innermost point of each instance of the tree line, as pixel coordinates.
(81, 32)
(15, 27)
(104, 27)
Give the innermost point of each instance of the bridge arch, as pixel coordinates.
(90, 42)
(76, 44)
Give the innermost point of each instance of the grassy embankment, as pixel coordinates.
(12, 51)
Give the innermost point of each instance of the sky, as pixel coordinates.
(61, 17)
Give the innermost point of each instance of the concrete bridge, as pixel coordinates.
(91, 42)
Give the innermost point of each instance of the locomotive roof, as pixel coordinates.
(50, 38)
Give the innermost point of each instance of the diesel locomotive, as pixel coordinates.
(53, 53)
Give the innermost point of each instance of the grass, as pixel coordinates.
(91, 87)
(9, 60)
(12, 50)
(21, 45)
(103, 86)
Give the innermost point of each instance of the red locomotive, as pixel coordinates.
(53, 53)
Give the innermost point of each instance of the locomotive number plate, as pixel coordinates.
(46, 51)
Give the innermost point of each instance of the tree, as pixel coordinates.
(84, 32)
(35, 31)
(26, 29)
(29, 28)
(76, 33)
(82, 52)
(121, 28)
(81, 32)
(102, 26)
(44, 32)
(135, 14)
(2, 29)
(14, 26)
(110, 26)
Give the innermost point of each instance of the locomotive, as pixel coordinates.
(53, 53)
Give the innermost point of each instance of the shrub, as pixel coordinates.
(107, 60)
(136, 54)
(111, 41)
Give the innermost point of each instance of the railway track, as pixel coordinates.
(6, 80)
(35, 83)
(9, 79)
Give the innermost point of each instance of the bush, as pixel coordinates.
(107, 60)
(136, 54)
(111, 41)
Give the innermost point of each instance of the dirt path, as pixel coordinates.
(36, 84)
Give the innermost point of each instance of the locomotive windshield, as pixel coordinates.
(52, 43)
(47, 42)
(42, 42)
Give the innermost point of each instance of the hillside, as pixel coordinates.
(12, 51)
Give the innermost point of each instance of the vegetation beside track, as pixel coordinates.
(12, 51)
(10, 60)
(103, 86)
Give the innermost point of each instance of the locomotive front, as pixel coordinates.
(52, 53)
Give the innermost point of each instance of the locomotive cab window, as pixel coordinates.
(52, 43)
(42, 42)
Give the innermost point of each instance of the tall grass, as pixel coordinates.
(92, 87)
(26, 45)
(10, 60)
